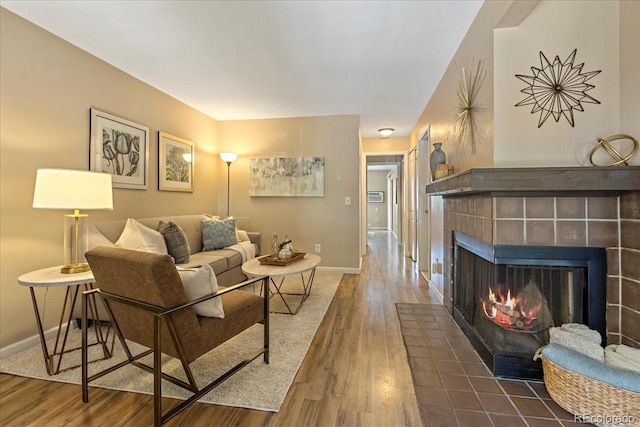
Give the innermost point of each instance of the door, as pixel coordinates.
(413, 204)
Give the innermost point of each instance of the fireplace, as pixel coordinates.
(506, 297)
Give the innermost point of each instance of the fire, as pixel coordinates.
(512, 312)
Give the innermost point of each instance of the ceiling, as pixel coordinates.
(236, 60)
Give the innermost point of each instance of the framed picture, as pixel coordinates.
(287, 177)
(121, 148)
(175, 163)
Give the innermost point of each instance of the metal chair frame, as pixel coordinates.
(160, 314)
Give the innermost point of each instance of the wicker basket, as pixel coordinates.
(603, 404)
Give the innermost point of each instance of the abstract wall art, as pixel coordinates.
(286, 177)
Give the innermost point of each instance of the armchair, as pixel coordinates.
(147, 304)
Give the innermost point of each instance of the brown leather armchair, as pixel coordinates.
(147, 304)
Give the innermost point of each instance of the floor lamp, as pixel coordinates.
(71, 189)
(228, 158)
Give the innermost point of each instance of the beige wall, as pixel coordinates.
(47, 89)
(377, 212)
(606, 35)
(306, 220)
(518, 140)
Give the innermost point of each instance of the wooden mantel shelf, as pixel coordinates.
(538, 181)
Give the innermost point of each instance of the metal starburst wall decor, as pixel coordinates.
(557, 89)
(465, 119)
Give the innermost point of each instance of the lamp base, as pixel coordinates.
(75, 268)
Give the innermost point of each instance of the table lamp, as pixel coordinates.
(73, 189)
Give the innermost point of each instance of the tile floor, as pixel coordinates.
(454, 387)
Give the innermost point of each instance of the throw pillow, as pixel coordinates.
(242, 236)
(218, 233)
(199, 282)
(176, 240)
(138, 237)
(96, 238)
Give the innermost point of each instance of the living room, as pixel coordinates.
(49, 86)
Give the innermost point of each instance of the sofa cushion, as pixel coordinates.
(138, 237)
(199, 282)
(176, 240)
(218, 233)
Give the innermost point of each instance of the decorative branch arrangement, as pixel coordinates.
(557, 89)
(466, 126)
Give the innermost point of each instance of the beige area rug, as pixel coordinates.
(256, 386)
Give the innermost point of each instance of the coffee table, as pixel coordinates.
(277, 275)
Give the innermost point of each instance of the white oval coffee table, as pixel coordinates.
(308, 264)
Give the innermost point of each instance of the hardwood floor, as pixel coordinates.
(355, 373)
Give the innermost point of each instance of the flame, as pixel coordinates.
(510, 312)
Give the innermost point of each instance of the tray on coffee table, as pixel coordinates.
(271, 260)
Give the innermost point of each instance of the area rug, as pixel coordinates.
(257, 386)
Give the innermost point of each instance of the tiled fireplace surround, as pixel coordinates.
(514, 214)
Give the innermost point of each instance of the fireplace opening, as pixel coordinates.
(507, 297)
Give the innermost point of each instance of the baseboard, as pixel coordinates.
(17, 347)
(433, 287)
(345, 270)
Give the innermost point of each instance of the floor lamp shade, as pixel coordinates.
(69, 189)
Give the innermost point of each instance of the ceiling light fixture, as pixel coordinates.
(385, 132)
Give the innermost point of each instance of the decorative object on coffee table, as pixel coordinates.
(618, 158)
(437, 157)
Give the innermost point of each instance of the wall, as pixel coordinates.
(518, 140)
(377, 212)
(306, 220)
(554, 27)
(47, 89)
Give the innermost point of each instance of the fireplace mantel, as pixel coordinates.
(547, 181)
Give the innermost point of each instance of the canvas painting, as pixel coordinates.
(287, 177)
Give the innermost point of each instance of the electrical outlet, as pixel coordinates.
(318, 248)
(347, 201)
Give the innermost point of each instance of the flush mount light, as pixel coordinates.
(385, 132)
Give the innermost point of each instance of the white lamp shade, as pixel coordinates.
(72, 189)
(229, 157)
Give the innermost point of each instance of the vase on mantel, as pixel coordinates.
(438, 157)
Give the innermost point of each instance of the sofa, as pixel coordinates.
(226, 263)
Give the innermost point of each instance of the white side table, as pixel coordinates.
(52, 277)
(253, 268)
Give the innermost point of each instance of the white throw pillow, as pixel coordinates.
(199, 282)
(242, 236)
(138, 237)
(96, 238)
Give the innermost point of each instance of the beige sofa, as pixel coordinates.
(226, 263)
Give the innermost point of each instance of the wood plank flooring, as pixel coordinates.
(355, 373)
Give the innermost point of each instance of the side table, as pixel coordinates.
(253, 268)
(52, 277)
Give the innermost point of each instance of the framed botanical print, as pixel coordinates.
(176, 158)
(121, 148)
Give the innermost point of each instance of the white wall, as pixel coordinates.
(556, 28)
